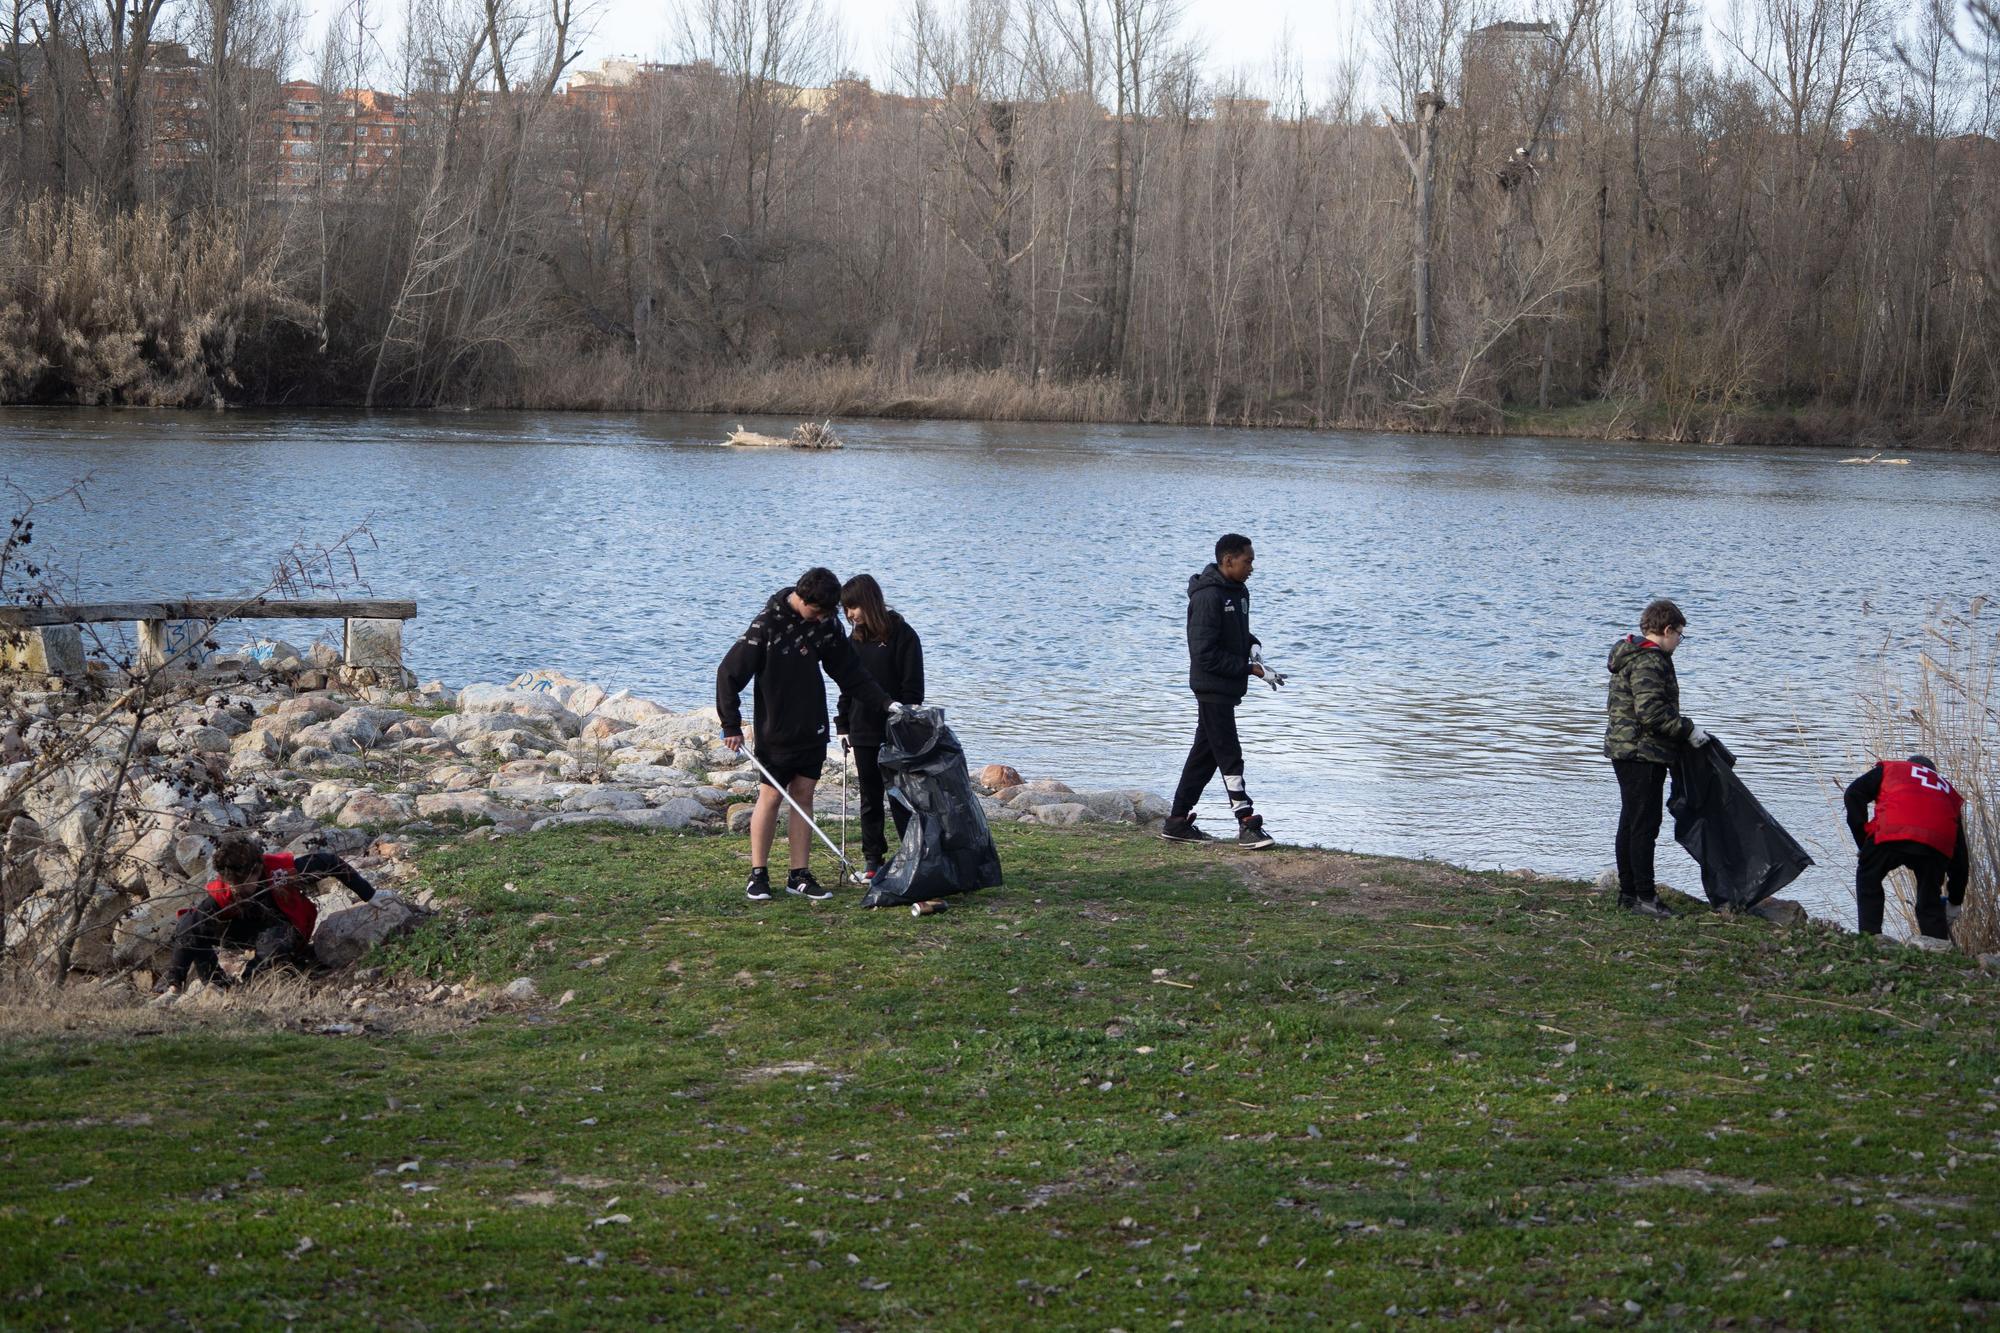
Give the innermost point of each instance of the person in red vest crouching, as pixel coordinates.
(256, 901)
(1917, 825)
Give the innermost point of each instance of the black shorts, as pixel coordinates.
(788, 765)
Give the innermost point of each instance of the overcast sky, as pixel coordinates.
(1239, 34)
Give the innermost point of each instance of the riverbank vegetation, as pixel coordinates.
(1140, 1083)
(1599, 215)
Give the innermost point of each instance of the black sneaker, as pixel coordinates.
(1183, 830)
(1652, 907)
(758, 890)
(802, 883)
(1250, 833)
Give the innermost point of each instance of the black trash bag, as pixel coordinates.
(946, 848)
(1745, 855)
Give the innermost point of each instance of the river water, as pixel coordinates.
(1442, 606)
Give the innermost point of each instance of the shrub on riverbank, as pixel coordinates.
(139, 309)
(1139, 1084)
(827, 387)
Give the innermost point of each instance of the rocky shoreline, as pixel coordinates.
(313, 755)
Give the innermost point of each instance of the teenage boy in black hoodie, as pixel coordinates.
(792, 639)
(1222, 656)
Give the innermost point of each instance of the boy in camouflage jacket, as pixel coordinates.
(1643, 734)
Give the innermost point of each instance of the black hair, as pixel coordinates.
(876, 621)
(239, 860)
(1924, 761)
(1230, 543)
(1661, 614)
(818, 587)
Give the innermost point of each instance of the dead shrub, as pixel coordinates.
(1945, 704)
(133, 308)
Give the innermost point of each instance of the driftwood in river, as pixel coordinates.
(808, 435)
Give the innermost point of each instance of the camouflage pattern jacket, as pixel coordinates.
(1644, 704)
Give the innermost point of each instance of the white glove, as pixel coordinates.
(1698, 738)
(1952, 912)
(1270, 677)
(897, 709)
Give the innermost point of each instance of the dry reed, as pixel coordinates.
(1945, 704)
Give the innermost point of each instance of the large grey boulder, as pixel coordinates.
(355, 730)
(1066, 812)
(144, 936)
(477, 700)
(368, 809)
(339, 841)
(676, 731)
(461, 727)
(195, 740)
(263, 744)
(679, 813)
(459, 805)
(1783, 911)
(344, 936)
(1115, 806)
(325, 799)
(318, 707)
(325, 736)
(514, 743)
(624, 706)
(604, 798)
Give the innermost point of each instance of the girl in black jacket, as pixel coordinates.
(894, 656)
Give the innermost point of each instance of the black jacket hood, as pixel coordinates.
(1212, 576)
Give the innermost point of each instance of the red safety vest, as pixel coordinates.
(1916, 805)
(280, 872)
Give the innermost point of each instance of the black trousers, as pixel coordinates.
(205, 929)
(868, 774)
(1216, 749)
(1641, 785)
(1929, 865)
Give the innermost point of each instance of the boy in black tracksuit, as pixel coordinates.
(893, 655)
(792, 639)
(1222, 656)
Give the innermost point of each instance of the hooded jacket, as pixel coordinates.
(897, 665)
(1218, 635)
(1644, 703)
(784, 653)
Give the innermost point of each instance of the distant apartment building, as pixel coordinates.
(176, 108)
(338, 138)
(613, 92)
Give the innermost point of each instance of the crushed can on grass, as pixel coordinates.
(947, 848)
(1745, 855)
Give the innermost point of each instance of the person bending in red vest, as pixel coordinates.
(1917, 825)
(256, 901)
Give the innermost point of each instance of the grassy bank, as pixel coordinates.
(833, 387)
(1141, 1084)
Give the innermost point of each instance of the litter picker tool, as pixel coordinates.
(846, 866)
